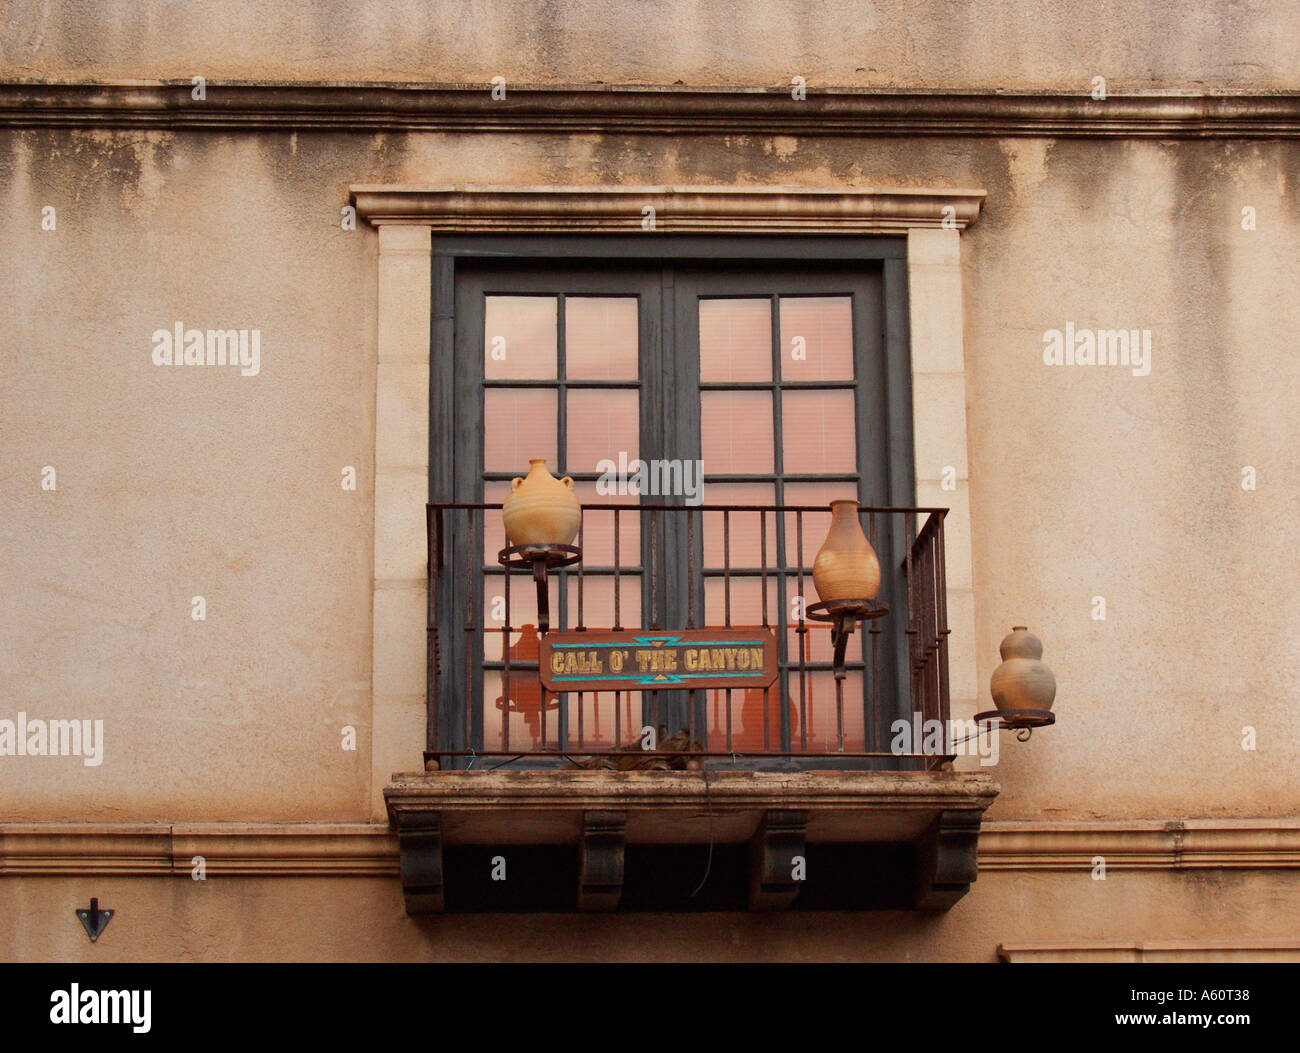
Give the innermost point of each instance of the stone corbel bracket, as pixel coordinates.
(600, 870)
(947, 860)
(775, 855)
(419, 839)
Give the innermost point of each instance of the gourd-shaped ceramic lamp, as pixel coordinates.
(846, 567)
(541, 509)
(1022, 681)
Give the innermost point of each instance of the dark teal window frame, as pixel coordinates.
(685, 264)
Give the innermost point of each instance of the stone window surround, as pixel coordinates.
(407, 217)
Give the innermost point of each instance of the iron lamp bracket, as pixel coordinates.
(844, 616)
(1021, 721)
(94, 920)
(540, 558)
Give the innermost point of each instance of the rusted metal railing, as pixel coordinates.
(664, 566)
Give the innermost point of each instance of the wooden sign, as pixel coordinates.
(635, 660)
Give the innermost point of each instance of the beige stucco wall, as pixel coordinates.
(174, 483)
(1092, 482)
(362, 919)
(181, 482)
(987, 44)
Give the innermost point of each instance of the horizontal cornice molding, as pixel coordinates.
(280, 849)
(367, 849)
(718, 210)
(1141, 845)
(1246, 950)
(622, 110)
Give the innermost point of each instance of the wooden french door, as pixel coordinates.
(772, 376)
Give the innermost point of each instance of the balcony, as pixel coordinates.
(668, 698)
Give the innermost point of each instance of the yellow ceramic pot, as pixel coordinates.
(541, 509)
(846, 567)
(1022, 681)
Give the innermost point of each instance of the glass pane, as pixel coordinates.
(519, 337)
(529, 706)
(604, 715)
(602, 425)
(520, 425)
(523, 616)
(749, 732)
(742, 529)
(494, 529)
(816, 338)
(736, 432)
(817, 645)
(600, 337)
(820, 432)
(820, 707)
(597, 609)
(746, 602)
(598, 602)
(735, 340)
(746, 704)
(598, 528)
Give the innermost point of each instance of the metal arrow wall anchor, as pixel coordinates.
(94, 920)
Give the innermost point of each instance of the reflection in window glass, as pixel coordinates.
(530, 706)
(523, 615)
(751, 729)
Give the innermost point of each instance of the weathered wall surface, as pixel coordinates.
(177, 482)
(305, 919)
(934, 44)
(1086, 482)
(174, 483)
(1092, 482)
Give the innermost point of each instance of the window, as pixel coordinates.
(777, 365)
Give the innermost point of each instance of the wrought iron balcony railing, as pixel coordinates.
(660, 568)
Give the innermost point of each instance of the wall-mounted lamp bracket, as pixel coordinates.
(94, 920)
(541, 558)
(843, 616)
(1021, 721)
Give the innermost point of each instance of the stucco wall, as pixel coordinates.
(177, 482)
(1085, 481)
(988, 44)
(305, 919)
